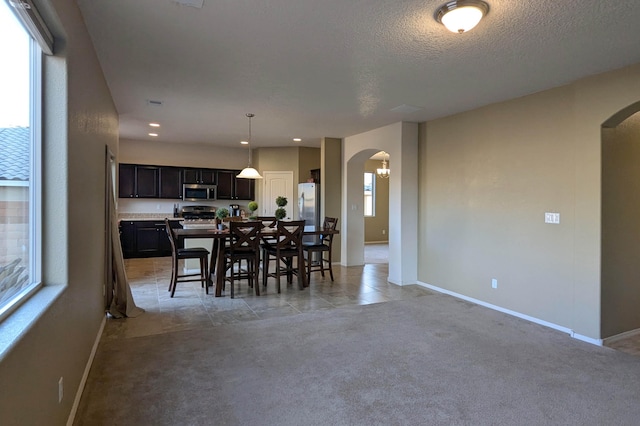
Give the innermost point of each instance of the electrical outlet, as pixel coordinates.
(384, 232)
(60, 390)
(494, 283)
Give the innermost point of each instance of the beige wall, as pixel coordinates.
(621, 227)
(77, 128)
(330, 184)
(282, 159)
(308, 159)
(487, 178)
(376, 228)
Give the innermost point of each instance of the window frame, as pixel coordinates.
(35, 175)
(373, 195)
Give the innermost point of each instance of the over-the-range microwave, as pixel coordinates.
(198, 192)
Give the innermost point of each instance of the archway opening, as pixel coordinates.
(376, 210)
(620, 228)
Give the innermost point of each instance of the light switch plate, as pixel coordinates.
(552, 218)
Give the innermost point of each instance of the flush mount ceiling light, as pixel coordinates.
(462, 15)
(249, 172)
(384, 171)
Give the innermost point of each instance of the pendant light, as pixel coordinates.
(249, 172)
(384, 171)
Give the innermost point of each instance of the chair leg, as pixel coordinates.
(174, 271)
(254, 273)
(265, 267)
(204, 274)
(278, 274)
(301, 274)
(330, 266)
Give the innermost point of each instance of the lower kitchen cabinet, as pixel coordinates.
(145, 238)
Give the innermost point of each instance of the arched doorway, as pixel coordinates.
(620, 225)
(400, 140)
(376, 210)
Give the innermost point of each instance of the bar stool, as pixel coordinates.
(202, 254)
(322, 247)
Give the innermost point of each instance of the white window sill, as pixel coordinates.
(25, 316)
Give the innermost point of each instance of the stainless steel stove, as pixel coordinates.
(198, 213)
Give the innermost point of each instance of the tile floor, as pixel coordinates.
(191, 308)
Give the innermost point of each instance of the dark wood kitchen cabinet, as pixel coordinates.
(138, 181)
(231, 188)
(245, 189)
(203, 176)
(170, 182)
(144, 181)
(145, 238)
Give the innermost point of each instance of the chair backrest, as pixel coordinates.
(244, 236)
(329, 223)
(268, 221)
(289, 234)
(172, 239)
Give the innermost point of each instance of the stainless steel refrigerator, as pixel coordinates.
(309, 206)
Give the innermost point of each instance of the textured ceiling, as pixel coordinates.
(336, 68)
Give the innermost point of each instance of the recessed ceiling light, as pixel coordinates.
(154, 124)
(297, 140)
(153, 134)
(244, 142)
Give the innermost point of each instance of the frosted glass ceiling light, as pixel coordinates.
(249, 172)
(462, 15)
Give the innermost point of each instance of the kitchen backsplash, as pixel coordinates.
(163, 208)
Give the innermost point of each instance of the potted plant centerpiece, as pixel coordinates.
(222, 213)
(280, 212)
(252, 206)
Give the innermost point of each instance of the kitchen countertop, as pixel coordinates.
(147, 216)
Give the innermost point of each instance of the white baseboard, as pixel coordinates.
(377, 242)
(597, 342)
(83, 381)
(621, 336)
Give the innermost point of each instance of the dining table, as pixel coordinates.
(219, 237)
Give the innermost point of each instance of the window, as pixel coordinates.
(20, 104)
(369, 194)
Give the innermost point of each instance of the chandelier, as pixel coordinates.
(384, 171)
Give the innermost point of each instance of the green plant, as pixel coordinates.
(281, 201)
(222, 213)
(252, 206)
(280, 213)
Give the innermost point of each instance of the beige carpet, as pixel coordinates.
(423, 361)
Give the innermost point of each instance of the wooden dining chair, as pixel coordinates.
(244, 244)
(202, 254)
(321, 250)
(285, 247)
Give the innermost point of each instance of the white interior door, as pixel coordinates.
(277, 184)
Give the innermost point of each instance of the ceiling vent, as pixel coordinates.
(151, 102)
(192, 3)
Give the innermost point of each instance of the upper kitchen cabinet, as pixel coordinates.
(204, 176)
(137, 181)
(171, 182)
(245, 189)
(230, 188)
